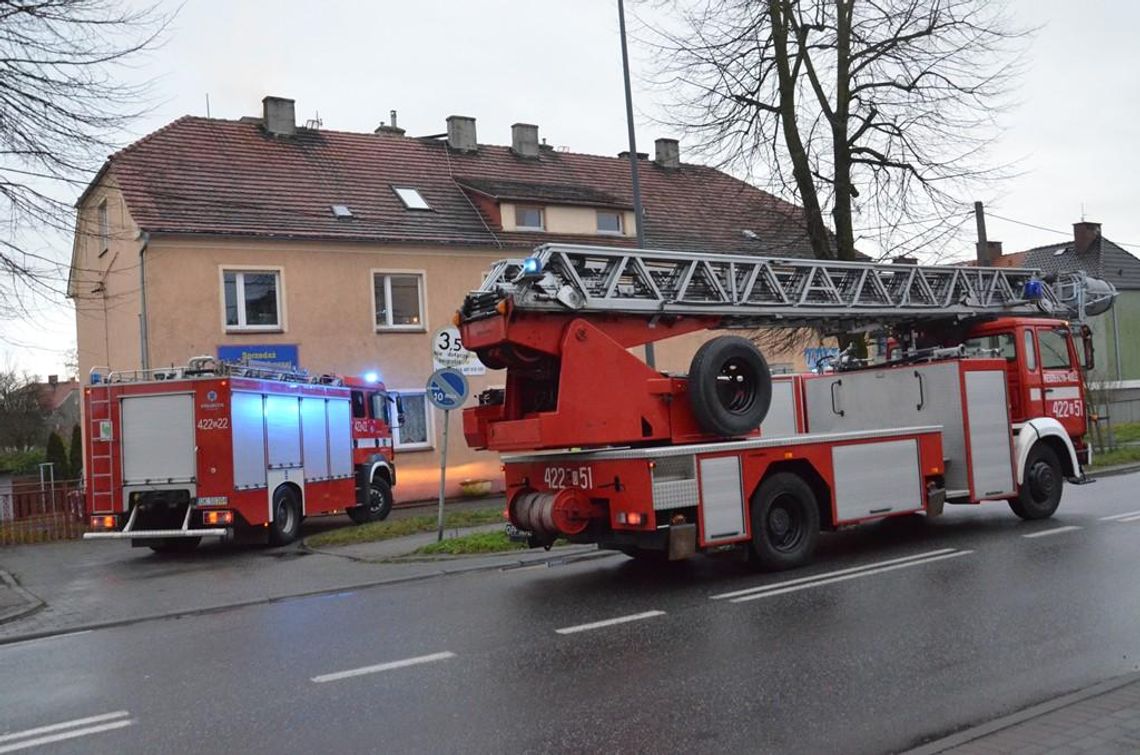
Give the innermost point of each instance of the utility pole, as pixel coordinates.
(638, 211)
(983, 244)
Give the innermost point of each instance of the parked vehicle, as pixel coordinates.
(210, 449)
(981, 398)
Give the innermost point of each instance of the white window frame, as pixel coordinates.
(621, 222)
(388, 273)
(241, 270)
(429, 423)
(103, 220)
(541, 217)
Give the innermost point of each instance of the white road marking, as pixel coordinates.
(337, 676)
(80, 727)
(1054, 531)
(1130, 519)
(1120, 516)
(866, 573)
(826, 575)
(610, 622)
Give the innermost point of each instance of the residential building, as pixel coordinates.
(344, 252)
(59, 400)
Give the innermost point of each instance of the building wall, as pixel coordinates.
(105, 285)
(570, 220)
(1118, 332)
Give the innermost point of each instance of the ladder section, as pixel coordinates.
(747, 291)
(101, 476)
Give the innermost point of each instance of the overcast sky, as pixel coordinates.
(556, 63)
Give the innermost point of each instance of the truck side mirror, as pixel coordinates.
(1087, 343)
(399, 403)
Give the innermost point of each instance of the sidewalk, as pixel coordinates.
(1102, 719)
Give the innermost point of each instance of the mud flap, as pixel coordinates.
(682, 541)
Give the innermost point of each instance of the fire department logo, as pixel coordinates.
(211, 396)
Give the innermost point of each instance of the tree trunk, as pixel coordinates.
(779, 13)
(841, 212)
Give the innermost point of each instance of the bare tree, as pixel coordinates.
(65, 100)
(876, 110)
(22, 416)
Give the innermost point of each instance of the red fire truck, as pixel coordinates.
(981, 397)
(214, 449)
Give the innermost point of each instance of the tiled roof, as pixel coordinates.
(1103, 259)
(199, 175)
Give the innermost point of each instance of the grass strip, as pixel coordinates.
(392, 528)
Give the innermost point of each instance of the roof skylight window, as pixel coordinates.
(341, 211)
(411, 198)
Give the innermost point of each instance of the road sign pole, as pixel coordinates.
(443, 473)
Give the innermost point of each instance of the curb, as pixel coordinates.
(31, 602)
(505, 565)
(1035, 711)
(1117, 470)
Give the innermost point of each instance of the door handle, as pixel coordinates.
(834, 406)
(921, 391)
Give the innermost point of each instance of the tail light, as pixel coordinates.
(214, 518)
(103, 522)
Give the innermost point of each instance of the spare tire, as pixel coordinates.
(730, 387)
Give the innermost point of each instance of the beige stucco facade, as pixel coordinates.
(326, 310)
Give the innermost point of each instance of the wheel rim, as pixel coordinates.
(285, 515)
(736, 385)
(375, 501)
(785, 523)
(1042, 481)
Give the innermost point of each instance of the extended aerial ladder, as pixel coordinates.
(561, 322)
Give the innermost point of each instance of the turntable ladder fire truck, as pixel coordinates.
(981, 398)
(214, 449)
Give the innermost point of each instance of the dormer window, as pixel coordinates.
(609, 221)
(411, 198)
(529, 218)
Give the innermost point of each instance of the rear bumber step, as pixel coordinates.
(149, 534)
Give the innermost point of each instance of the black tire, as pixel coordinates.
(785, 522)
(379, 504)
(174, 544)
(1042, 485)
(730, 386)
(286, 524)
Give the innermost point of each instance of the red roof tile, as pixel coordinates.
(199, 175)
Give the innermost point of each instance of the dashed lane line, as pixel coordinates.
(609, 622)
(1127, 516)
(827, 575)
(1130, 519)
(79, 727)
(1054, 531)
(784, 588)
(337, 676)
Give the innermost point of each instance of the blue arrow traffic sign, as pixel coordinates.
(447, 389)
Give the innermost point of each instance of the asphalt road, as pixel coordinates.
(900, 632)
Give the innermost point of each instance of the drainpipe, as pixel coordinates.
(144, 339)
(1116, 345)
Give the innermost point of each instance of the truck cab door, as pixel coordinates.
(1061, 379)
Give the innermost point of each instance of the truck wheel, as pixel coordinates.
(175, 544)
(730, 387)
(785, 522)
(379, 503)
(1040, 491)
(286, 522)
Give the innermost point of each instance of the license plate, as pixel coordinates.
(515, 535)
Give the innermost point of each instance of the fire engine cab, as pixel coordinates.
(214, 449)
(980, 397)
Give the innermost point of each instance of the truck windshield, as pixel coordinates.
(999, 344)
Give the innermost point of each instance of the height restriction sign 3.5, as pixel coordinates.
(447, 351)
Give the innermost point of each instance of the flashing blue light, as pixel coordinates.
(372, 377)
(532, 266)
(1034, 289)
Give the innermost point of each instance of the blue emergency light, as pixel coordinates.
(531, 266)
(1034, 289)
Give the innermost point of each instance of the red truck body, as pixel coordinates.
(174, 455)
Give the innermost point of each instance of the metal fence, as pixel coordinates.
(35, 511)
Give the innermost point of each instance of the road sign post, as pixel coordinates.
(447, 389)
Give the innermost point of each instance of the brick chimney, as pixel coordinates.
(1085, 236)
(461, 133)
(391, 128)
(278, 116)
(668, 153)
(993, 252)
(524, 139)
